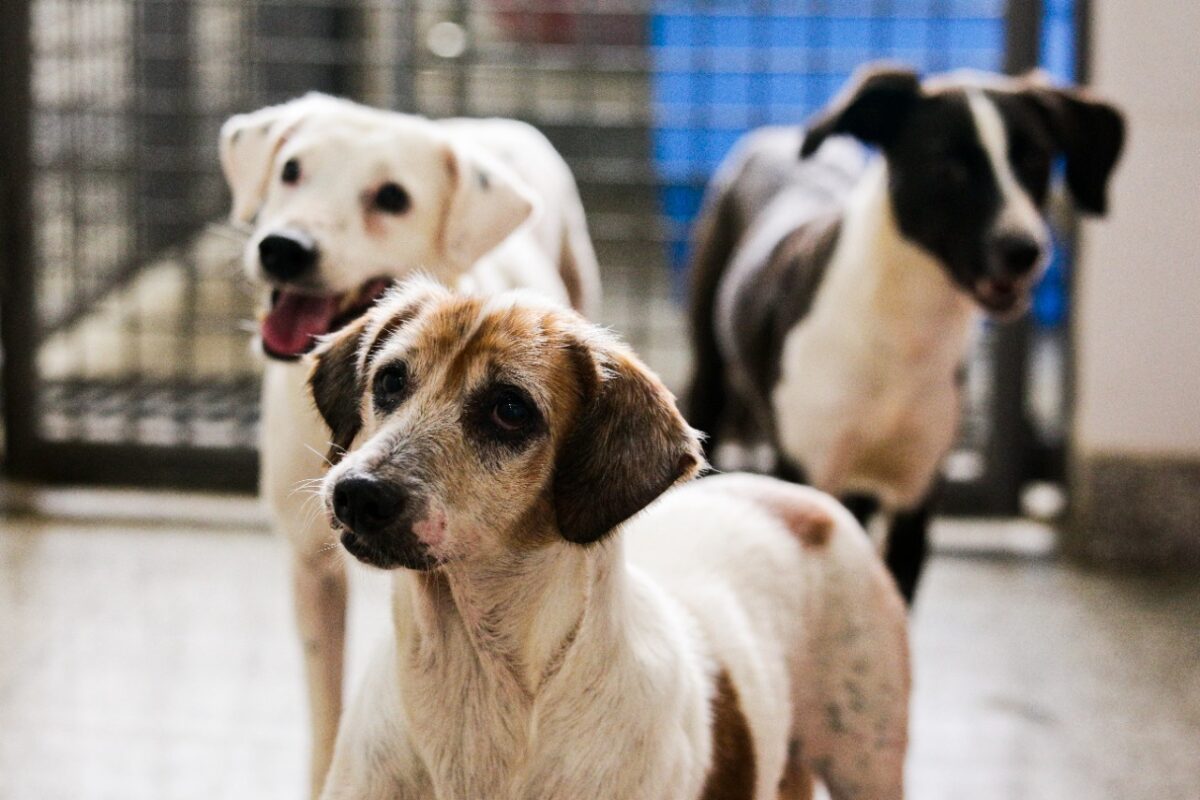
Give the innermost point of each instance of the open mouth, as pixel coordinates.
(1001, 296)
(295, 319)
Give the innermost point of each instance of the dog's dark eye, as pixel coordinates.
(391, 384)
(502, 420)
(291, 171)
(511, 412)
(392, 198)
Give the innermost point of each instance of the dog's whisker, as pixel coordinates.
(319, 454)
(305, 487)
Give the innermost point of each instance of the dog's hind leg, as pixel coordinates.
(319, 594)
(852, 721)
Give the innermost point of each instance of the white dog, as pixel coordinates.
(344, 199)
(734, 641)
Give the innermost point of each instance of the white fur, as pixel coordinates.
(345, 150)
(1018, 213)
(465, 224)
(867, 400)
(620, 643)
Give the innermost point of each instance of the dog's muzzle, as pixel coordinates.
(376, 518)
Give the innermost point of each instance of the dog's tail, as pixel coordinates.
(714, 236)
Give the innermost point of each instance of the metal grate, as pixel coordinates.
(127, 334)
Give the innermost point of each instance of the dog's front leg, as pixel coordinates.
(294, 442)
(319, 587)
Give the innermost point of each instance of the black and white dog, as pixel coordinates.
(835, 295)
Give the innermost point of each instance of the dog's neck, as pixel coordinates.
(520, 612)
(896, 287)
(501, 665)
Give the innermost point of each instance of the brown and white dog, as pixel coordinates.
(736, 639)
(344, 199)
(835, 295)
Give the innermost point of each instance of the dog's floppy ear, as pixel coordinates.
(871, 108)
(250, 142)
(629, 444)
(1091, 135)
(335, 376)
(337, 387)
(487, 203)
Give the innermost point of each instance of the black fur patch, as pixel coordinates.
(944, 191)
(337, 388)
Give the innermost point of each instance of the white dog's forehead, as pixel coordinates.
(380, 152)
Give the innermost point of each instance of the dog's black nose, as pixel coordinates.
(286, 257)
(366, 505)
(1017, 254)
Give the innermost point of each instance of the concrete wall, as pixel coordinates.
(1137, 423)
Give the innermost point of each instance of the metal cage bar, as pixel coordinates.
(18, 323)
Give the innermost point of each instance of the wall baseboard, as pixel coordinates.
(1134, 511)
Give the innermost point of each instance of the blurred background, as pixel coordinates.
(146, 638)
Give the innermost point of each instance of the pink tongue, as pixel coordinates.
(294, 320)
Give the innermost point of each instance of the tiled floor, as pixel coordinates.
(145, 661)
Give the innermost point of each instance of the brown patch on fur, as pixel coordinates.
(812, 526)
(810, 523)
(732, 774)
(389, 328)
(447, 324)
(499, 334)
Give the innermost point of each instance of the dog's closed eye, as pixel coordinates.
(392, 199)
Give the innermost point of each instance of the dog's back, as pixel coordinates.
(762, 194)
(798, 612)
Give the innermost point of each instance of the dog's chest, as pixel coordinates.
(469, 727)
(867, 399)
(581, 735)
